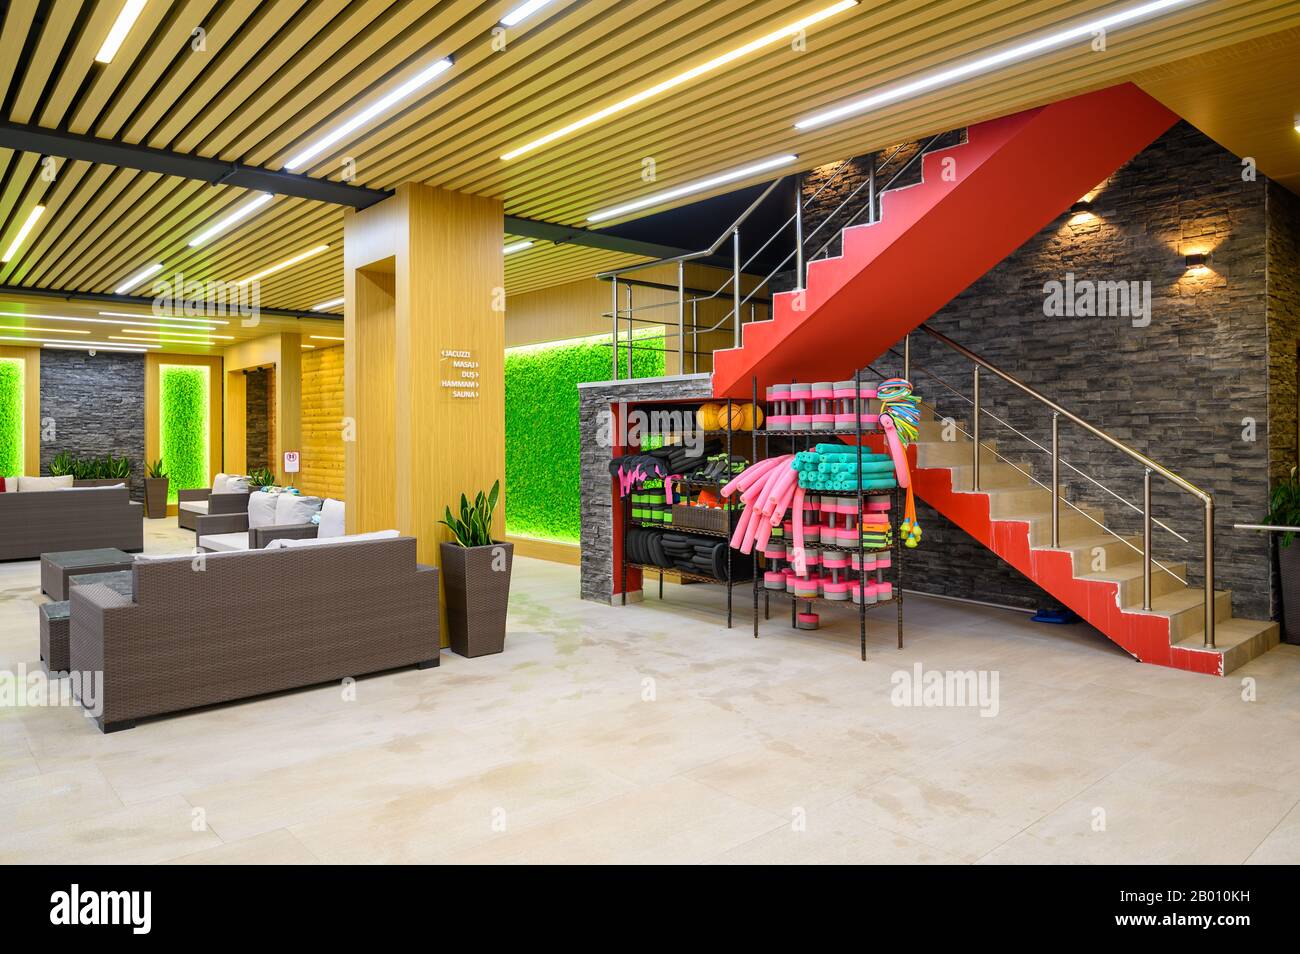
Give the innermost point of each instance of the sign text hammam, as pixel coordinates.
(459, 375)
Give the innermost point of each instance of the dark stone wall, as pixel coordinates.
(595, 485)
(95, 406)
(258, 418)
(1190, 389)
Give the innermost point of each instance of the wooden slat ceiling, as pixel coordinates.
(274, 75)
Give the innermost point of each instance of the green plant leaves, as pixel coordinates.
(183, 415)
(11, 417)
(542, 443)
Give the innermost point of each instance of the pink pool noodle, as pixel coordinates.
(896, 450)
(800, 557)
(742, 529)
(746, 477)
(781, 490)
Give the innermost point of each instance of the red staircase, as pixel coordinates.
(977, 203)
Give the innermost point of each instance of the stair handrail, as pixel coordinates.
(1150, 466)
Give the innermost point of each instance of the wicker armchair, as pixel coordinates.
(258, 537)
(252, 623)
(215, 504)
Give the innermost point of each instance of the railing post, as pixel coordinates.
(1209, 572)
(681, 317)
(614, 311)
(735, 281)
(1056, 480)
(695, 335)
(871, 189)
(907, 356)
(975, 435)
(631, 332)
(798, 232)
(1146, 540)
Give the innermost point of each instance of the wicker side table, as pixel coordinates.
(55, 618)
(57, 567)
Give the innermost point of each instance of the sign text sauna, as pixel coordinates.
(460, 375)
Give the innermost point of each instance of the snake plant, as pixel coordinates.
(474, 526)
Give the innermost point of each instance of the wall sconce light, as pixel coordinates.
(1082, 207)
(1197, 260)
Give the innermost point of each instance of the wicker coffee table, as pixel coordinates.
(56, 617)
(57, 567)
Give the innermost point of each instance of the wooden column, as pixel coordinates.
(424, 285)
(288, 405)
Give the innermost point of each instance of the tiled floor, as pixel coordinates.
(654, 734)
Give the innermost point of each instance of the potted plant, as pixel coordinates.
(476, 578)
(260, 478)
(1284, 511)
(155, 491)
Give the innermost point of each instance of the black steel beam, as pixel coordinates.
(110, 299)
(52, 142)
(112, 152)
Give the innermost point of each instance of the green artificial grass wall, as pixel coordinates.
(542, 427)
(11, 417)
(183, 417)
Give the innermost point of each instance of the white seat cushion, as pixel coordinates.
(225, 542)
(294, 509)
(219, 484)
(29, 484)
(195, 506)
(261, 509)
(318, 541)
(331, 518)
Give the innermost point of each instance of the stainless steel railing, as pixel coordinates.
(1059, 413)
(740, 298)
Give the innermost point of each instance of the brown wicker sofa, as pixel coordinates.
(239, 625)
(191, 505)
(36, 522)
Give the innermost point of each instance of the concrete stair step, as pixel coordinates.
(1185, 609)
(1104, 548)
(1129, 578)
(1237, 640)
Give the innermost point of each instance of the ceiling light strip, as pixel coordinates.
(138, 278)
(381, 105)
(287, 263)
(241, 213)
(701, 185)
(166, 318)
(53, 331)
(88, 344)
(86, 347)
(130, 12)
(327, 305)
(175, 332)
(96, 321)
(985, 63)
(716, 63)
(523, 12)
(516, 247)
(30, 223)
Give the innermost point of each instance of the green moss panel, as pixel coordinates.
(11, 417)
(542, 427)
(183, 417)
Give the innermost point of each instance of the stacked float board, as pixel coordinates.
(701, 556)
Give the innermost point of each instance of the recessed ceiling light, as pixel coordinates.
(523, 11)
(381, 105)
(287, 263)
(94, 347)
(243, 212)
(699, 186)
(213, 322)
(327, 305)
(308, 347)
(985, 63)
(716, 63)
(121, 27)
(516, 247)
(149, 333)
(53, 331)
(93, 321)
(36, 212)
(137, 278)
(324, 338)
(82, 344)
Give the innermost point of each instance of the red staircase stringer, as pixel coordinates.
(1144, 636)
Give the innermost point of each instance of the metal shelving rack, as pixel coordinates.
(727, 584)
(896, 549)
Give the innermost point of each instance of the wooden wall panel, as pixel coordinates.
(322, 423)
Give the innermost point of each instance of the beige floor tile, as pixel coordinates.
(147, 833)
(272, 848)
(1282, 845)
(673, 822)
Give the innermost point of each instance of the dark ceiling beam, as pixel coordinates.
(141, 301)
(112, 152)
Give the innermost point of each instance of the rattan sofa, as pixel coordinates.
(36, 522)
(192, 505)
(239, 625)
